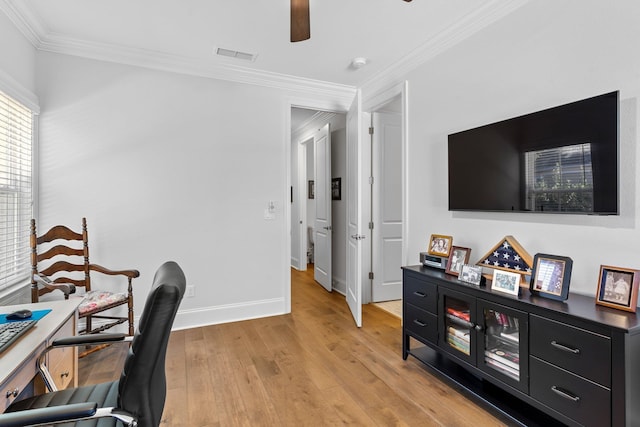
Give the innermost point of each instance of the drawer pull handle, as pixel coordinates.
(419, 323)
(565, 394)
(13, 393)
(420, 294)
(64, 374)
(565, 348)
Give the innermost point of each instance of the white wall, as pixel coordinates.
(546, 53)
(175, 167)
(17, 60)
(170, 167)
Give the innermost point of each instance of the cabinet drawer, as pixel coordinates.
(62, 372)
(577, 350)
(62, 361)
(569, 394)
(420, 293)
(19, 381)
(421, 323)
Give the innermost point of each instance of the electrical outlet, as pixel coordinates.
(191, 291)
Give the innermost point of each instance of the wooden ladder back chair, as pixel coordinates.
(60, 262)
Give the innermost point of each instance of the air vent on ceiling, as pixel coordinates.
(235, 54)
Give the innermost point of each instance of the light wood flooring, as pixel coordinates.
(312, 367)
(394, 307)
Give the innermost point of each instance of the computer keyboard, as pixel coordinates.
(9, 332)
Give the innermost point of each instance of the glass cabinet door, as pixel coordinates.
(503, 343)
(458, 333)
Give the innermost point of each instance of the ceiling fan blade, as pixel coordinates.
(300, 23)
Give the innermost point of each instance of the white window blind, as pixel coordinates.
(16, 131)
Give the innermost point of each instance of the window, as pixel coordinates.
(16, 132)
(560, 179)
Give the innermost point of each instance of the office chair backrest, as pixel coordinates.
(142, 388)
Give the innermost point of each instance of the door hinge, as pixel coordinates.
(371, 275)
(370, 180)
(371, 130)
(371, 225)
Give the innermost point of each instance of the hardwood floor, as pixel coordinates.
(312, 367)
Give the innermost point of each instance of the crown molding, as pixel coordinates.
(20, 13)
(30, 25)
(24, 20)
(451, 36)
(178, 64)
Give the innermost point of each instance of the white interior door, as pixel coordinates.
(322, 221)
(387, 215)
(354, 211)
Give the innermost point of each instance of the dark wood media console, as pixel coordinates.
(534, 360)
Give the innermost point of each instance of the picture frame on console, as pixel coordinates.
(471, 274)
(551, 276)
(618, 288)
(440, 245)
(459, 257)
(506, 282)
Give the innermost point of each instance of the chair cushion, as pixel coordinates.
(95, 300)
(104, 394)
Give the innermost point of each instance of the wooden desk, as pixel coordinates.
(18, 362)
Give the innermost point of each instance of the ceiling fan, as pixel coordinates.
(300, 23)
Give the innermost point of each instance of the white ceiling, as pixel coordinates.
(182, 34)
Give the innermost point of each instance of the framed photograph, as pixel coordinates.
(506, 281)
(459, 257)
(336, 189)
(618, 288)
(551, 276)
(311, 192)
(440, 245)
(471, 274)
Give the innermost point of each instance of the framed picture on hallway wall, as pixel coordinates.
(336, 189)
(311, 190)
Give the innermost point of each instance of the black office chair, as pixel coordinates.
(137, 398)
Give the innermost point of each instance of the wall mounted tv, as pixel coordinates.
(560, 160)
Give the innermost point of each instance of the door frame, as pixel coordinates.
(369, 106)
(341, 104)
(337, 105)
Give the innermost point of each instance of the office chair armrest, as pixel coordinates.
(70, 413)
(75, 341)
(90, 339)
(50, 415)
(66, 288)
(131, 274)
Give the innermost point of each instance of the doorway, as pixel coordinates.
(357, 115)
(310, 231)
(388, 222)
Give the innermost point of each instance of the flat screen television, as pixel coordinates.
(560, 160)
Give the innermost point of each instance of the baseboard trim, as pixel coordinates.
(186, 319)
